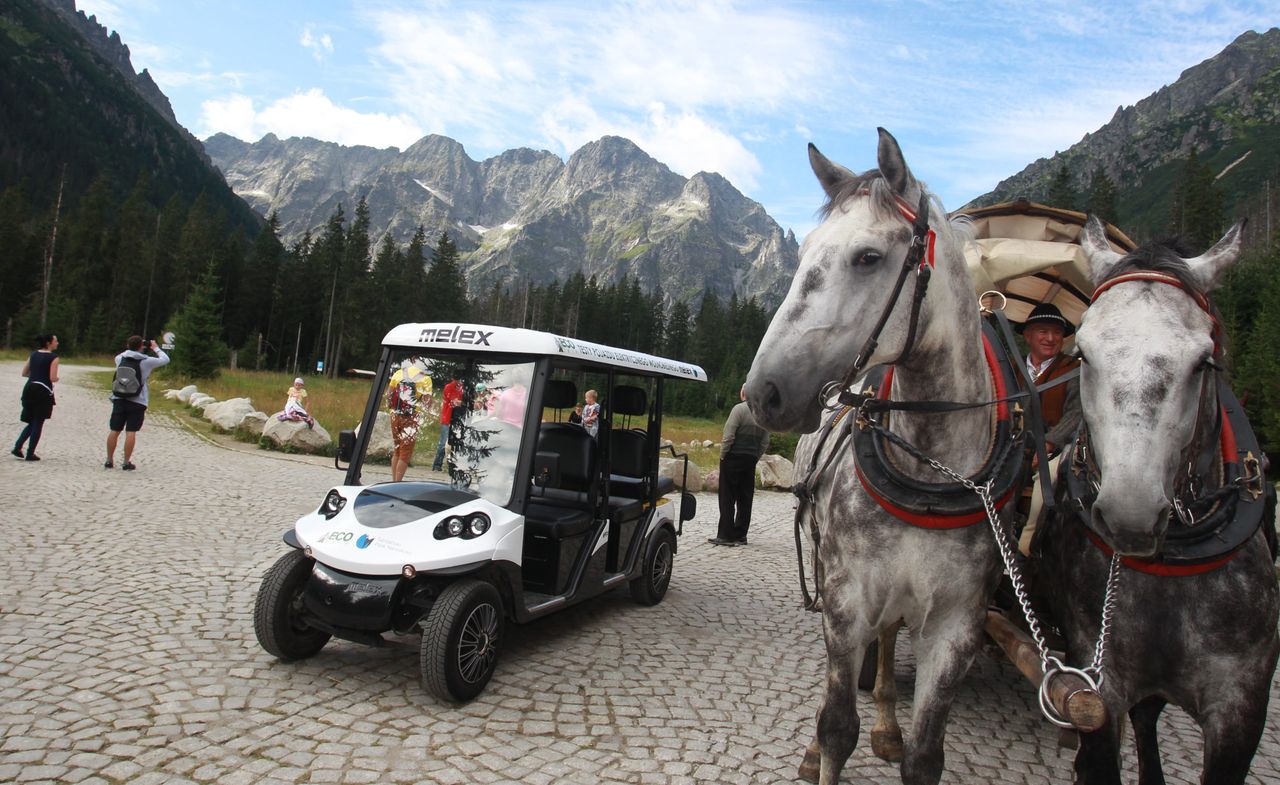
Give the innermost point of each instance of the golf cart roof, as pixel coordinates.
(512, 340)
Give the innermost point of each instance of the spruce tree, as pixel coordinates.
(1196, 211)
(445, 286)
(1061, 194)
(199, 351)
(1102, 196)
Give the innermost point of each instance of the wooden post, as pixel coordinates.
(1069, 694)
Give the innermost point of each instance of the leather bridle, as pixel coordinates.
(919, 257)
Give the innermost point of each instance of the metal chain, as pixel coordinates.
(1049, 664)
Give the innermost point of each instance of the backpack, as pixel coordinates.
(127, 382)
(400, 398)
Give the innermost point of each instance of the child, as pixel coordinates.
(293, 408)
(575, 417)
(591, 414)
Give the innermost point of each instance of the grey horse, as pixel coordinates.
(877, 571)
(1206, 641)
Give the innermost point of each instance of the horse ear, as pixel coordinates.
(893, 167)
(1097, 250)
(830, 174)
(1209, 266)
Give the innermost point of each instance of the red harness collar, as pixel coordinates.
(936, 521)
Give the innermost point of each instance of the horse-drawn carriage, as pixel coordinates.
(909, 484)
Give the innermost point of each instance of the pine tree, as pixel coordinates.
(1102, 196)
(199, 351)
(445, 285)
(1061, 194)
(1196, 211)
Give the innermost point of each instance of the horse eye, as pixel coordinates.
(867, 258)
(1079, 355)
(1209, 364)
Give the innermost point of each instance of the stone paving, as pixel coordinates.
(127, 651)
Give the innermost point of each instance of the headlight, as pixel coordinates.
(466, 527)
(333, 504)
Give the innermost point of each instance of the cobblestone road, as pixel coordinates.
(127, 651)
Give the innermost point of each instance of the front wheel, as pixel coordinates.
(460, 640)
(277, 611)
(651, 585)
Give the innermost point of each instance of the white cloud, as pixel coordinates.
(309, 113)
(584, 69)
(320, 45)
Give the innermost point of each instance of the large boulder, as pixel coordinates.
(292, 434)
(776, 472)
(252, 424)
(185, 393)
(228, 414)
(172, 394)
(380, 444)
(200, 400)
(674, 468)
(711, 483)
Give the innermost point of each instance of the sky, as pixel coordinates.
(973, 91)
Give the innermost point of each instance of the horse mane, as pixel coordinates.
(1165, 255)
(884, 202)
(1168, 255)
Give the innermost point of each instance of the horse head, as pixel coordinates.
(848, 269)
(1147, 379)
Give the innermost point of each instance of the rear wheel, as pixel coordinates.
(277, 611)
(655, 575)
(460, 640)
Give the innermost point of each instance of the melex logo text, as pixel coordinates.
(455, 334)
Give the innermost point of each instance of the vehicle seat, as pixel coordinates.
(566, 509)
(629, 448)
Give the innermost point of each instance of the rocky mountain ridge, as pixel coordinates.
(115, 52)
(1227, 108)
(610, 210)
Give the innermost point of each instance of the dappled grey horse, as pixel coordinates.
(877, 572)
(1165, 473)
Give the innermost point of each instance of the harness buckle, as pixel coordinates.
(1251, 482)
(1184, 514)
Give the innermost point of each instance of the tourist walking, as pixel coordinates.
(41, 370)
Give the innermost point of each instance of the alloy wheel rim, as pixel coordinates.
(661, 566)
(478, 643)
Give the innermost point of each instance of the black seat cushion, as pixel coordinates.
(577, 451)
(555, 521)
(560, 394)
(629, 400)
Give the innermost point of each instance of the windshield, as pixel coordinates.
(453, 420)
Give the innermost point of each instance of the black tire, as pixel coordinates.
(655, 574)
(461, 637)
(867, 676)
(276, 611)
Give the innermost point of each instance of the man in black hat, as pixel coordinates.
(1045, 330)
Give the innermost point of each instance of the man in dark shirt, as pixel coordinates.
(743, 443)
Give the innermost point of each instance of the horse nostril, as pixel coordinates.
(772, 397)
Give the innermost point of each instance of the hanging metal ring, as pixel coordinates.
(829, 396)
(1054, 668)
(1004, 301)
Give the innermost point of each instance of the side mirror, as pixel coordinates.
(688, 506)
(546, 469)
(346, 445)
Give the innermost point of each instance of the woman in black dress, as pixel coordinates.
(41, 371)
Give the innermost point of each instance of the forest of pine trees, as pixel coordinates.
(125, 266)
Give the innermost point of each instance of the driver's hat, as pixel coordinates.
(1047, 313)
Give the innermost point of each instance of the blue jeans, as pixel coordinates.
(444, 439)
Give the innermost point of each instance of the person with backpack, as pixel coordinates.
(129, 397)
(41, 370)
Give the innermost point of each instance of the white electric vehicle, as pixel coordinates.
(528, 513)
